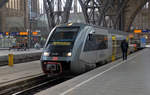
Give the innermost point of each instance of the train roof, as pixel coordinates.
(82, 25)
(72, 25)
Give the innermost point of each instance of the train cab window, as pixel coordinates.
(64, 34)
(62, 40)
(98, 42)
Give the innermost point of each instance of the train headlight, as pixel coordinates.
(46, 53)
(69, 54)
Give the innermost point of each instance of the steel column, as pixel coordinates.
(57, 12)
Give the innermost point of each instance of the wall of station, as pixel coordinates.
(16, 18)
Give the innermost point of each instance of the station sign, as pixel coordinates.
(23, 33)
(18, 33)
(34, 33)
(14, 33)
(137, 31)
(146, 31)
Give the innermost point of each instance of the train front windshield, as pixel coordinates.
(62, 40)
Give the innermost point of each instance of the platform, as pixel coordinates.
(20, 56)
(130, 77)
(15, 52)
(19, 72)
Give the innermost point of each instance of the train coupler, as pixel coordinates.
(54, 67)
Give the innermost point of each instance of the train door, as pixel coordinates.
(114, 44)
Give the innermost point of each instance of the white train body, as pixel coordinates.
(79, 47)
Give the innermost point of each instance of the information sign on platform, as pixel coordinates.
(143, 40)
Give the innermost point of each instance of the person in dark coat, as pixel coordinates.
(124, 48)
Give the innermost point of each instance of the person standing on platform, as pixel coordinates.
(26, 46)
(124, 48)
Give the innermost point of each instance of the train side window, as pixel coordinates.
(102, 42)
(98, 42)
(90, 44)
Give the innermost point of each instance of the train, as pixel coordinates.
(77, 48)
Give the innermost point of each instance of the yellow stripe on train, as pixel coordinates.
(61, 43)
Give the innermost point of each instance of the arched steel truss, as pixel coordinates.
(107, 13)
(57, 12)
(102, 12)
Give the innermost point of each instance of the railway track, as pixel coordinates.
(33, 85)
(13, 87)
(36, 84)
(43, 86)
